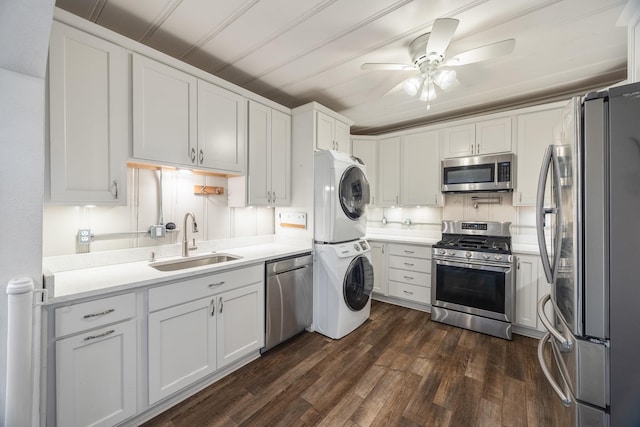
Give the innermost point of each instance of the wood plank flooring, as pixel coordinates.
(398, 369)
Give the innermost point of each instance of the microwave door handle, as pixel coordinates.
(541, 212)
(564, 395)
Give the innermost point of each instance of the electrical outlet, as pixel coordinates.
(84, 236)
(157, 231)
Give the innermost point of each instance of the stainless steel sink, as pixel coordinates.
(190, 262)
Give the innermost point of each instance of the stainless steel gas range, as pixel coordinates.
(473, 279)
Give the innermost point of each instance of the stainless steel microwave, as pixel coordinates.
(478, 173)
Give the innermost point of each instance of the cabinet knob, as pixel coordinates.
(201, 157)
(193, 155)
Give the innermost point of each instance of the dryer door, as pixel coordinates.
(354, 192)
(358, 283)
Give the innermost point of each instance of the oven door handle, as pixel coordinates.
(565, 341)
(549, 162)
(565, 394)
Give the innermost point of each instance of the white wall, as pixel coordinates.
(215, 219)
(24, 40)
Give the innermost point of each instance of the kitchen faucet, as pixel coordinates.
(185, 243)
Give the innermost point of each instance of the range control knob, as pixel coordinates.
(442, 251)
(467, 254)
(453, 252)
(486, 256)
(498, 257)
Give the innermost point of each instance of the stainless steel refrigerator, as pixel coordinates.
(588, 221)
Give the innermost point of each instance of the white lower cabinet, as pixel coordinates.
(380, 273)
(240, 323)
(410, 272)
(182, 346)
(192, 339)
(96, 369)
(531, 285)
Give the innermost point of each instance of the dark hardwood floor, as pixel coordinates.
(398, 369)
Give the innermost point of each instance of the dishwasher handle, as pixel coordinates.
(289, 264)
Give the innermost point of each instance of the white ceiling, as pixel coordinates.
(296, 51)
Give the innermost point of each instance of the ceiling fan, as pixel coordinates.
(428, 56)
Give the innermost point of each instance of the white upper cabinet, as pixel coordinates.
(484, 137)
(535, 131)
(269, 182)
(164, 113)
(87, 119)
(366, 149)
(421, 169)
(332, 134)
(181, 120)
(389, 172)
(222, 123)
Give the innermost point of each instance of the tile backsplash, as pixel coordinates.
(124, 227)
(426, 221)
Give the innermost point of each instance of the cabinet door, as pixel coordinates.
(493, 136)
(164, 113)
(182, 346)
(421, 169)
(367, 151)
(280, 158)
(535, 131)
(87, 110)
(379, 262)
(527, 268)
(96, 376)
(240, 323)
(389, 176)
(459, 141)
(342, 136)
(324, 132)
(222, 120)
(259, 185)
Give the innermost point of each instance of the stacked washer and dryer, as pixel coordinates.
(343, 274)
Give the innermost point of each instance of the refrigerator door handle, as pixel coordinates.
(549, 161)
(564, 395)
(565, 341)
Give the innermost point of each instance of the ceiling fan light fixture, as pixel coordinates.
(428, 93)
(412, 85)
(444, 78)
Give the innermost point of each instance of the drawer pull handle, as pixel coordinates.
(93, 337)
(408, 264)
(408, 293)
(213, 285)
(102, 313)
(408, 277)
(221, 306)
(408, 252)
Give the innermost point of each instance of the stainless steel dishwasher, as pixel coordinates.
(289, 298)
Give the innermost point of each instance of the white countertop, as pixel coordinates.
(517, 247)
(96, 280)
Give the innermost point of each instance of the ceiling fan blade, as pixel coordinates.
(387, 66)
(482, 53)
(441, 35)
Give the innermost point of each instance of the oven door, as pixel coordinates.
(485, 289)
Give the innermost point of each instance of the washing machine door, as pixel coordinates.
(354, 192)
(358, 283)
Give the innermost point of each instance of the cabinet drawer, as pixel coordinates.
(200, 287)
(410, 292)
(94, 314)
(410, 277)
(410, 250)
(413, 264)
